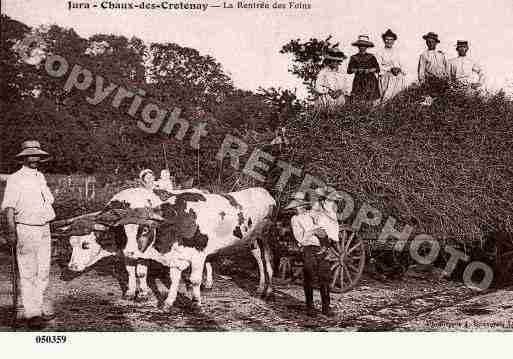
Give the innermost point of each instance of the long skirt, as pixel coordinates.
(365, 88)
(391, 85)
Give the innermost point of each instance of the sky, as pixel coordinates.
(247, 41)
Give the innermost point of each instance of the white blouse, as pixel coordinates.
(389, 58)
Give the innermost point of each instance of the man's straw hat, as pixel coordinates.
(298, 200)
(33, 148)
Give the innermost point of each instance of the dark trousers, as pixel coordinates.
(436, 87)
(314, 264)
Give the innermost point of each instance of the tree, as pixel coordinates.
(12, 85)
(181, 75)
(308, 58)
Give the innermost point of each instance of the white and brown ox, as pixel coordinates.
(114, 231)
(196, 225)
(119, 229)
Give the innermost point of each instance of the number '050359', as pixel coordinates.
(50, 339)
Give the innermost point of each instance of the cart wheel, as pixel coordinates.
(348, 261)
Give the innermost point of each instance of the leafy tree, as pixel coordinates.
(308, 58)
(12, 86)
(181, 73)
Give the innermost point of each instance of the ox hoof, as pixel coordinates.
(260, 291)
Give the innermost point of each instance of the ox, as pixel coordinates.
(196, 225)
(114, 231)
(120, 229)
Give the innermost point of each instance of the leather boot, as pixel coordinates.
(310, 309)
(325, 300)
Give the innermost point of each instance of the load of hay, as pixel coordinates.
(446, 169)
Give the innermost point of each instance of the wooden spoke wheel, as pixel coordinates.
(347, 261)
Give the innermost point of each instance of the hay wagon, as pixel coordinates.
(347, 258)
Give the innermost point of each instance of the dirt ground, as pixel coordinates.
(93, 302)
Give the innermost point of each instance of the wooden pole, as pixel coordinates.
(14, 283)
(165, 155)
(65, 222)
(197, 167)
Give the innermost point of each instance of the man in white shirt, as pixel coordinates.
(312, 238)
(463, 70)
(28, 205)
(433, 68)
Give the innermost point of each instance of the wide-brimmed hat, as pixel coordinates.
(431, 35)
(144, 173)
(32, 148)
(363, 40)
(298, 200)
(461, 43)
(389, 33)
(335, 54)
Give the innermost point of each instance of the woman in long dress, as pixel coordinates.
(331, 84)
(366, 68)
(392, 78)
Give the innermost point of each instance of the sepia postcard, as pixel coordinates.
(293, 167)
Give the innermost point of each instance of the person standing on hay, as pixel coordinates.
(28, 205)
(392, 78)
(331, 84)
(365, 68)
(433, 69)
(313, 239)
(464, 71)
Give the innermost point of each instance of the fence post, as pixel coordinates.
(90, 180)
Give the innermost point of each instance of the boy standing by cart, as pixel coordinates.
(313, 240)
